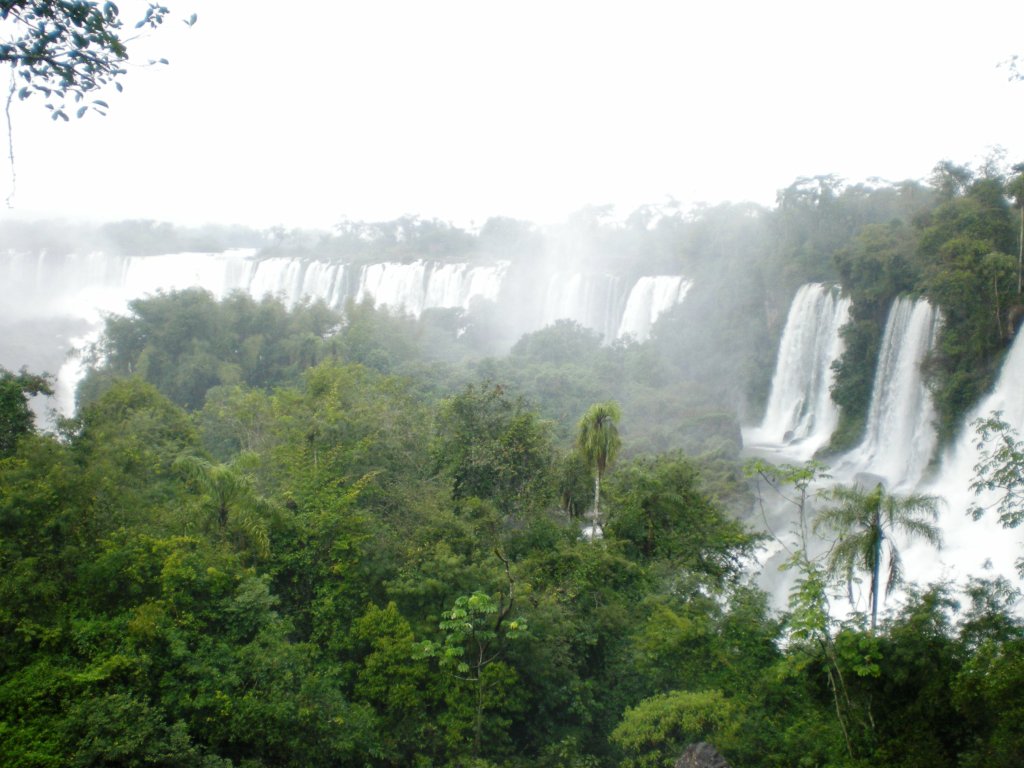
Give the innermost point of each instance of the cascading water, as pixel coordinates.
(592, 300)
(973, 545)
(650, 297)
(399, 286)
(86, 286)
(423, 285)
(801, 416)
(599, 302)
(900, 435)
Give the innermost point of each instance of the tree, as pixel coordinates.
(598, 440)
(1000, 469)
(16, 417)
(494, 447)
(69, 49)
(865, 522)
(661, 512)
(475, 630)
(1015, 188)
(658, 728)
(229, 494)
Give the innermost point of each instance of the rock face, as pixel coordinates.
(701, 755)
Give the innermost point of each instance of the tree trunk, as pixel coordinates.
(479, 724)
(875, 575)
(597, 503)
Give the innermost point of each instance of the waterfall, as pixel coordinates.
(801, 416)
(971, 545)
(219, 273)
(900, 434)
(650, 297)
(425, 285)
(323, 280)
(592, 300)
(87, 286)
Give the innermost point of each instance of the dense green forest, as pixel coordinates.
(307, 537)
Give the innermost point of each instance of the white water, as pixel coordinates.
(899, 440)
(801, 416)
(650, 297)
(592, 300)
(424, 285)
(973, 545)
(900, 435)
(600, 302)
(89, 286)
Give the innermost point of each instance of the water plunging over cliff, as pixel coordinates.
(801, 416)
(970, 544)
(592, 300)
(84, 287)
(601, 303)
(900, 435)
(650, 297)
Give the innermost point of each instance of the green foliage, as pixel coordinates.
(655, 732)
(65, 50)
(492, 447)
(659, 510)
(186, 343)
(16, 417)
(476, 629)
(878, 265)
(865, 522)
(363, 615)
(598, 441)
(228, 496)
(1000, 469)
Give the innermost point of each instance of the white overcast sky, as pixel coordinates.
(303, 113)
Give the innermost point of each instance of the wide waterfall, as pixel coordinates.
(801, 415)
(650, 297)
(900, 434)
(86, 286)
(83, 285)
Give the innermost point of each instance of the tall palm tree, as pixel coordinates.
(598, 441)
(865, 522)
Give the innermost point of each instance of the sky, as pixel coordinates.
(304, 114)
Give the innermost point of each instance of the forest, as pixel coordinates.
(309, 535)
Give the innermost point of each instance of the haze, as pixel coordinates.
(305, 115)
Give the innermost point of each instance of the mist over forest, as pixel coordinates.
(594, 494)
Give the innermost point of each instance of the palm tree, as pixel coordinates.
(229, 495)
(598, 441)
(865, 522)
